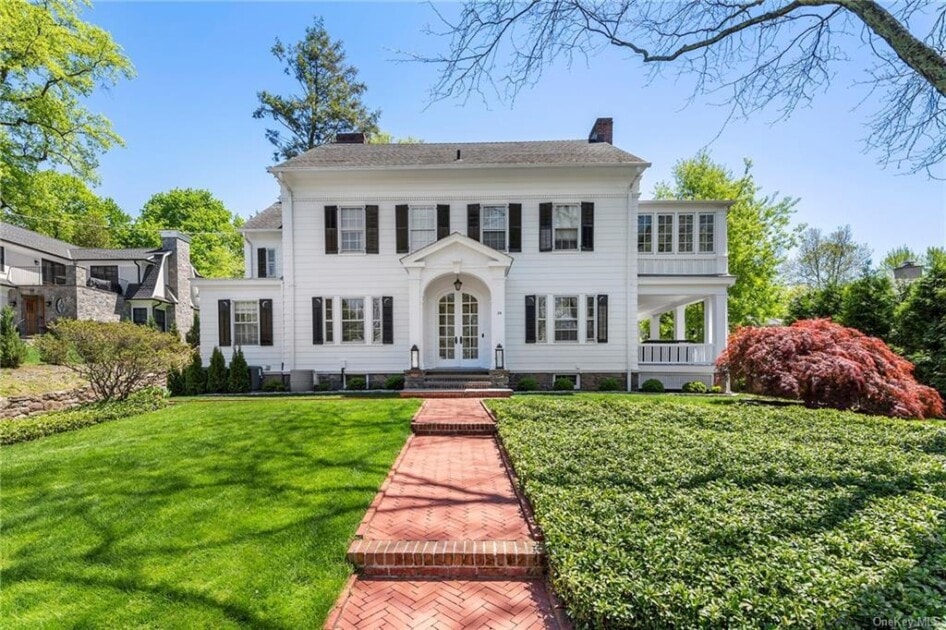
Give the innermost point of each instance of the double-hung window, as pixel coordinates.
(566, 318)
(352, 227)
(423, 225)
(494, 227)
(270, 262)
(566, 221)
(707, 233)
(353, 320)
(541, 319)
(246, 323)
(665, 233)
(685, 233)
(329, 321)
(645, 233)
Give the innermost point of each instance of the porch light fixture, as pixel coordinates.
(457, 283)
(500, 357)
(907, 271)
(415, 357)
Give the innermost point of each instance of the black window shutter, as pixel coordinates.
(530, 319)
(602, 319)
(515, 227)
(402, 236)
(387, 319)
(331, 229)
(473, 221)
(371, 230)
(265, 322)
(317, 336)
(223, 323)
(260, 262)
(545, 227)
(443, 221)
(3, 262)
(588, 228)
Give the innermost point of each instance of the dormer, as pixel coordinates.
(262, 244)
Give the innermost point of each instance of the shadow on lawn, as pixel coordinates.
(132, 513)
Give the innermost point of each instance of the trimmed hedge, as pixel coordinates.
(695, 387)
(25, 429)
(652, 386)
(723, 514)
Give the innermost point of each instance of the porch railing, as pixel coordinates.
(676, 353)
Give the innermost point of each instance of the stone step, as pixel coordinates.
(448, 558)
(456, 393)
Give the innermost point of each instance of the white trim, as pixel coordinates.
(458, 239)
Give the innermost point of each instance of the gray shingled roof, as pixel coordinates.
(28, 238)
(544, 152)
(268, 219)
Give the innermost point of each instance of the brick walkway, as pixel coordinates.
(446, 543)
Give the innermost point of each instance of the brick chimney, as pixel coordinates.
(178, 277)
(603, 131)
(350, 138)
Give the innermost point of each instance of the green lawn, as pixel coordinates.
(206, 514)
(713, 512)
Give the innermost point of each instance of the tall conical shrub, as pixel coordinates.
(12, 348)
(239, 373)
(195, 377)
(217, 373)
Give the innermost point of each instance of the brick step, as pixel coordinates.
(453, 428)
(457, 384)
(456, 393)
(448, 558)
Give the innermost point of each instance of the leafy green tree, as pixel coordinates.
(329, 102)
(759, 233)
(829, 260)
(216, 245)
(217, 373)
(50, 62)
(921, 325)
(816, 303)
(383, 137)
(239, 381)
(12, 348)
(62, 206)
(195, 376)
(868, 304)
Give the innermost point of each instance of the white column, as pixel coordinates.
(720, 324)
(415, 314)
(708, 320)
(654, 334)
(680, 323)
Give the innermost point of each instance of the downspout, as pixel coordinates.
(289, 275)
(631, 284)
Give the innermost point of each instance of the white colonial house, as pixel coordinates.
(504, 259)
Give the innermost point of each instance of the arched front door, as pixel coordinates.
(458, 330)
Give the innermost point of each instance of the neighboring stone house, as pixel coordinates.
(45, 279)
(447, 260)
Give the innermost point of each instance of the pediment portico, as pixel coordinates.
(457, 299)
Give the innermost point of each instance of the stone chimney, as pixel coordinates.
(350, 138)
(603, 131)
(178, 277)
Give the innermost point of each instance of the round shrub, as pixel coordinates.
(652, 386)
(274, 386)
(563, 384)
(395, 381)
(609, 384)
(695, 387)
(827, 365)
(716, 389)
(357, 383)
(527, 384)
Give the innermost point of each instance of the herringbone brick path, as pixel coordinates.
(447, 510)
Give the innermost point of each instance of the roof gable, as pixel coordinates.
(457, 244)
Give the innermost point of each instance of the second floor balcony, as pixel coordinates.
(679, 238)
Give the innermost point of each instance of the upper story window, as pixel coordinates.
(53, 272)
(645, 233)
(108, 273)
(685, 233)
(266, 262)
(707, 233)
(423, 226)
(246, 323)
(352, 227)
(494, 227)
(664, 233)
(566, 221)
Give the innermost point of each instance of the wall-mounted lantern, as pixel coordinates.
(415, 357)
(457, 283)
(500, 357)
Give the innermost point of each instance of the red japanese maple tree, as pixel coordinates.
(827, 365)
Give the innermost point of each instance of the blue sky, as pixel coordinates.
(186, 117)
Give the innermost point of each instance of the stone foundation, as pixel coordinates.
(589, 381)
